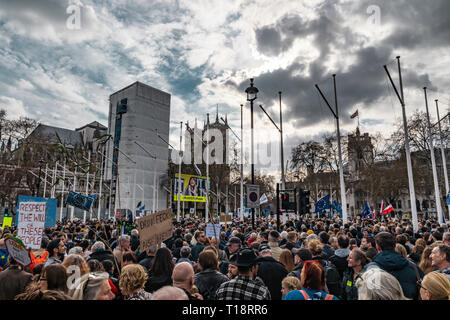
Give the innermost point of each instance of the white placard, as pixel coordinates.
(210, 230)
(31, 223)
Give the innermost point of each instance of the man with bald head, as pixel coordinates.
(169, 293)
(183, 278)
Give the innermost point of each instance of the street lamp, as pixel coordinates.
(252, 96)
(41, 162)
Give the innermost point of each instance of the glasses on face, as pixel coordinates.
(419, 283)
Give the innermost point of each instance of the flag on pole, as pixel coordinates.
(367, 212)
(263, 199)
(382, 207)
(354, 115)
(388, 209)
(323, 204)
(448, 198)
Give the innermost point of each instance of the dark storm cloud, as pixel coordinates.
(417, 23)
(365, 81)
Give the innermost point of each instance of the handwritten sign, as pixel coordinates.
(18, 251)
(212, 230)
(31, 223)
(155, 228)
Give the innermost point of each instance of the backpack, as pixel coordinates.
(333, 280)
(316, 296)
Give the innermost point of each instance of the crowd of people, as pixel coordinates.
(307, 259)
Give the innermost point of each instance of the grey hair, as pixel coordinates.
(98, 246)
(169, 293)
(446, 236)
(90, 286)
(312, 237)
(135, 232)
(76, 250)
(377, 284)
(124, 238)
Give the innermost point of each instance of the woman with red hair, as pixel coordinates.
(313, 283)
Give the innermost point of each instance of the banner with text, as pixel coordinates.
(50, 208)
(31, 222)
(193, 188)
(154, 228)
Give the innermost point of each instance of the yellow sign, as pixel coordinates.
(193, 188)
(7, 221)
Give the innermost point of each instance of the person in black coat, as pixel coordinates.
(270, 271)
(300, 256)
(357, 260)
(339, 259)
(209, 279)
(99, 253)
(199, 246)
(327, 250)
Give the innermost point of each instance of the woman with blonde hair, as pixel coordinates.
(425, 261)
(290, 284)
(377, 284)
(435, 286)
(287, 259)
(399, 248)
(132, 281)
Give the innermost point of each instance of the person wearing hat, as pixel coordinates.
(270, 271)
(300, 256)
(232, 246)
(244, 286)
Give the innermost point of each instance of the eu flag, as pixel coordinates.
(367, 212)
(323, 204)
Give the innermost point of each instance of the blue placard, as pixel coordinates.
(50, 210)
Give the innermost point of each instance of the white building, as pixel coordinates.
(147, 114)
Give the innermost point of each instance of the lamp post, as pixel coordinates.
(41, 162)
(252, 96)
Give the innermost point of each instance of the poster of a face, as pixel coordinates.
(193, 188)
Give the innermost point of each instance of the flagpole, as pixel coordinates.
(444, 161)
(412, 193)
(437, 192)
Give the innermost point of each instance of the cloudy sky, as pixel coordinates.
(203, 52)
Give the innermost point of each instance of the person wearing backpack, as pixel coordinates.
(313, 283)
(333, 280)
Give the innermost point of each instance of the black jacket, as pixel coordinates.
(208, 281)
(134, 243)
(297, 271)
(349, 292)
(288, 245)
(101, 256)
(147, 262)
(195, 251)
(327, 251)
(157, 282)
(272, 273)
(339, 259)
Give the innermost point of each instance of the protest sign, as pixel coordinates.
(50, 208)
(154, 228)
(18, 251)
(7, 221)
(31, 221)
(212, 230)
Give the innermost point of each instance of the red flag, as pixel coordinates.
(355, 115)
(388, 209)
(382, 207)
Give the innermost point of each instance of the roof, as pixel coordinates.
(94, 124)
(68, 137)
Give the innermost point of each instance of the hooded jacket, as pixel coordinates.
(339, 259)
(402, 269)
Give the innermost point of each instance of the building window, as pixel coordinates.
(399, 204)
